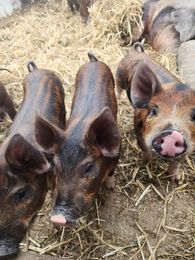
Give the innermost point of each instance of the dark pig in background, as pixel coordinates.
(168, 23)
(87, 152)
(81, 6)
(164, 109)
(24, 167)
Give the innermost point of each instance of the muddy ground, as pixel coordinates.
(146, 217)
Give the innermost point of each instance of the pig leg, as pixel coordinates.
(110, 181)
(118, 91)
(83, 10)
(146, 153)
(173, 170)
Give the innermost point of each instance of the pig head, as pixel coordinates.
(163, 114)
(87, 152)
(25, 168)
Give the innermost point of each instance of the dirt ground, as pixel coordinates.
(146, 217)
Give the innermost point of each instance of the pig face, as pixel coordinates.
(84, 156)
(165, 114)
(22, 191)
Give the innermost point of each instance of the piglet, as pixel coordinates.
(24, 167)
(87, 152)
(164, 109)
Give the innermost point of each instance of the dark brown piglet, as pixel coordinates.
(24, 167)
(86, 154)
(164, 109)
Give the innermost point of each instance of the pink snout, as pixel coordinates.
(170, 144)
(58, 220)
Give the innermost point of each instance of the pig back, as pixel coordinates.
(94, 90)
(43, 95)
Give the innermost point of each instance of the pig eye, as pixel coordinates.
(153, 111)
(89, 168)
(193, 115)
(19, 195)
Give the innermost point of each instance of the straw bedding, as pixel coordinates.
(145, 217)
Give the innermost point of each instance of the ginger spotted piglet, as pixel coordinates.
(164, 109)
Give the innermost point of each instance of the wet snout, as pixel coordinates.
(9, 247)
(170, 143)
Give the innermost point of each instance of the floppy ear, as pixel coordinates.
(103, 131)
(22, 156)
(144, 85)
(47, 135)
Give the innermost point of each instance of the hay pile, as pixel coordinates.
(144, 218)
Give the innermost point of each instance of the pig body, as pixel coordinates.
(6, 104)
(163, 109)
(88, 151)
(81, 6)
(168, 23)
(24, 167)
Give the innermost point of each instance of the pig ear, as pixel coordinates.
(103, 131)
(144, 85)
(22, 156)
(47, 134)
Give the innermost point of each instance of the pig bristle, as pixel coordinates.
(92, 57)
(31, 66)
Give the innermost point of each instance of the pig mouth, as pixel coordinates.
(170, 144)
(9, 247)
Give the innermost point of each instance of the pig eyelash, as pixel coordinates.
(153, 111)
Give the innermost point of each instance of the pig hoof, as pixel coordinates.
(110, 182)
(173, 178)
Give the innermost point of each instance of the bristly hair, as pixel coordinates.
(70, 153)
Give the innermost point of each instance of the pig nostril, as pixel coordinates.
(177, 144)
(160, 141)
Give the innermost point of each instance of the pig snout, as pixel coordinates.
(9, 247)
(64, 216)
(169, 144)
